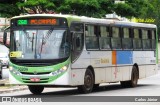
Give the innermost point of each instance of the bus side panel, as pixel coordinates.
(126, 73)
(121, 63)
(108, 74)
(150, 70)
(116, 74)
(83, 61)
(151, 60)
(77, 76)
(140, 60)
(121, 73)
(100, 75)
(142, 72)
(146, 62)
(79, 67)
(101, 62)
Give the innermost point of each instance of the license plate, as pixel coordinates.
(34, 79)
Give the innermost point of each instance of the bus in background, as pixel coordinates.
(77, 51)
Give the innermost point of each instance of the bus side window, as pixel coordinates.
(137, 40)
(145, 39)
(104, 39)
(91, 37)
(153, 39)
(116, 40)
(126, 40)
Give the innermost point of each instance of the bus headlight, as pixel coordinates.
(10, 68)
(64, 68)
(61, 70)
(16, 72)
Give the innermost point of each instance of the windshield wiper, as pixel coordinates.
(44, 39)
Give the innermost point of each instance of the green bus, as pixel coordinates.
(77, 51)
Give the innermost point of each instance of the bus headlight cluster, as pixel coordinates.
(61, 70)
(16, 72)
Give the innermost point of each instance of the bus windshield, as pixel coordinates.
(40, 43)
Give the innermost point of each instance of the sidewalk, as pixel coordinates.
(5, 87)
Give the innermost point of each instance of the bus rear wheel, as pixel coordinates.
(36, 89)
(88, 82)
(134, 79)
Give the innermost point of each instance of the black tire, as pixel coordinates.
(88, 82)
(36, 89)
(134, 79)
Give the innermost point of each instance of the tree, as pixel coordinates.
(80, 7)
(8, 8)
(38, 6)
(124, 10)
(155, 13)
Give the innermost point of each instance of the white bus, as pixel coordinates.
(66, 50)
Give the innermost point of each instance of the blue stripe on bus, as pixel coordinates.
(124, 57)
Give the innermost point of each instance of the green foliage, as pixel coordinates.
(92, 8)
(80, 7)
(125, 10)
(38, 6)
(9, 8)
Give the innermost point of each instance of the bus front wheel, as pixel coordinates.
(88, 82)
(36, 89)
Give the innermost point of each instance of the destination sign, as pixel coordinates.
(38, 21)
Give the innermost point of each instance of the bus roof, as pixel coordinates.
(91, 20)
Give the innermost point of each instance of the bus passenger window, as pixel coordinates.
(104, 39)
(145, 40)
(126, 40)
(153, 39)
(116, 40)
(91, 38)
(137, 40)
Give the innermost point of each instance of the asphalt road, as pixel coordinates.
(146, 87)
(149, 87)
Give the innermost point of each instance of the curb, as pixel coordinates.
(13, 89)
(9, 88)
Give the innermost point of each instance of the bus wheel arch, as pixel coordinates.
(89, 81)
(92, 70)
(95, 86)
(134, 78)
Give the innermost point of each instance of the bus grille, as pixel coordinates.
(38, 73)
(42, 80)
